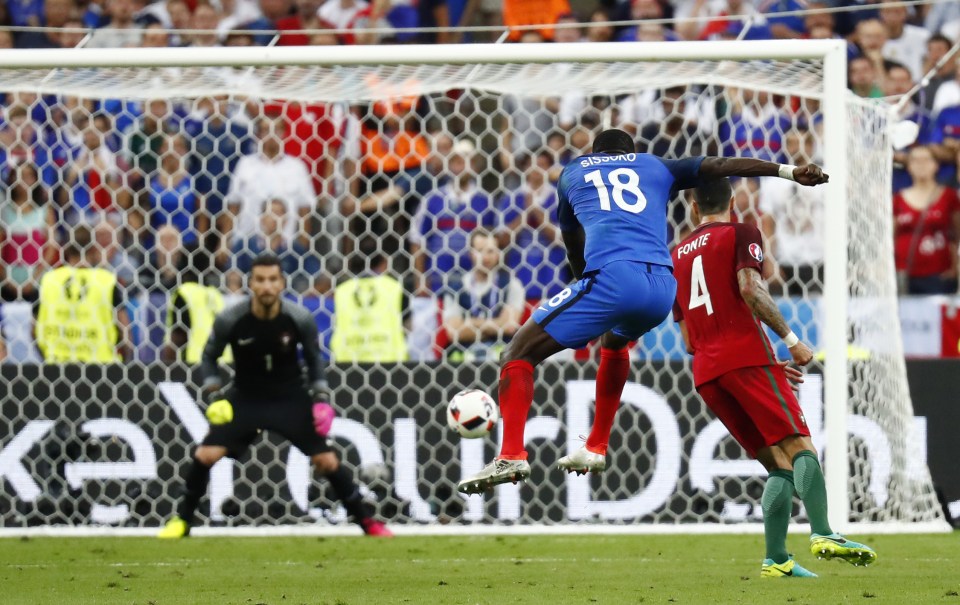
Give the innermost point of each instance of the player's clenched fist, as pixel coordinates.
(801, 354)
(810, 175)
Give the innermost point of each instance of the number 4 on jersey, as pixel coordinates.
(699, 295)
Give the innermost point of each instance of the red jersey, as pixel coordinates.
(922, 243)
(723, 331)
(314, 134)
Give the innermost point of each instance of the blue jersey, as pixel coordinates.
(621, 203)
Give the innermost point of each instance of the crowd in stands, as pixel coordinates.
(412, 186)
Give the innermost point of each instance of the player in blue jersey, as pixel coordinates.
(612, 212)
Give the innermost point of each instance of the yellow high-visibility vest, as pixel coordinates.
(75, 322)
(368, 321)
(203, 303)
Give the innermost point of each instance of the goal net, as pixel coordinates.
(179, 166)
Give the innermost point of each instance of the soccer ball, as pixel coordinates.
(472, 413)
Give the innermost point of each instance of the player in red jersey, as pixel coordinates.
(721, 302)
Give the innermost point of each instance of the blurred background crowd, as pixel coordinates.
(445, 204)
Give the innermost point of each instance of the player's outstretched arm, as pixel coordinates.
(755, 294)
(716, 168)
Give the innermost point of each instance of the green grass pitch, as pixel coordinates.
(911, 569)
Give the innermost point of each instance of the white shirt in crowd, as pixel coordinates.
(909, 49)
(258, 180)
(339, 16)
(478, 290)
(948, 95)
(798, 215)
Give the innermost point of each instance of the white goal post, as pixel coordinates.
(814, 69)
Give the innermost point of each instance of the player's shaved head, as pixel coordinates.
(713, 197)
(613, 141)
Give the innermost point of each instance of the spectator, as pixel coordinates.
(573, 32)
(121, 30)
(871, 38)
(93, 180)
(236, 13)
(297, 261)
(949, 92)
(394, 153)
(56, 13)
(940, 14)
(753, 126)
(482, 308)
(205, 18)
(597, 29)
(304, 17)
(371, 313)
(171, 196)
(862, 78)
(944, 139)
(26, 234)
(18, 136)
(116, 257)
(937, 48)
(267, 175)
(218, 139)
(525, 123)
(906, 44)
(270, 12)
(529, 235)
(926, 226)
(733, 18)
(785, 26)
(899, 83)
(143, 140)
(642, 110)
(81, 316)
(25, 12)
(445, 13)
(646, 32)
(164, 263)
(439, 238)
(518, 13)
(792, 219)
(339, 14)
(72, 34)
(154, 36)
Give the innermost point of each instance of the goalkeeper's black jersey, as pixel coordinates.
(266, 352)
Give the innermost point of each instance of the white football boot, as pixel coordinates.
(583, 461)
(497, 472)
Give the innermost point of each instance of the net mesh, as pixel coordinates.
(181, 175)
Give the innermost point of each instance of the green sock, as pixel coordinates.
(777, 505)
(812, 490)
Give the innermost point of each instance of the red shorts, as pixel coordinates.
(757, 406)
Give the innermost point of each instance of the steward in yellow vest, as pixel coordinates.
(368, 319)
(76, 321)
(190, 314)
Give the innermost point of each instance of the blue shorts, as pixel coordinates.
(628, 298)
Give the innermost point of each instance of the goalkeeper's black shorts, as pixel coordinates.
(290, 416)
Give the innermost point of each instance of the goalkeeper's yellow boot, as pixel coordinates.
(175, 528)
(836, 546)
(788, 569)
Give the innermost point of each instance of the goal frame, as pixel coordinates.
(832, 53)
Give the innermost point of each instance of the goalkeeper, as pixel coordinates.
(266, 333)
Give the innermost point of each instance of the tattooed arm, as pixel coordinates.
(755, 294)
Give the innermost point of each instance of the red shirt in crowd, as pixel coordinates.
(314, 135)
(922, 240)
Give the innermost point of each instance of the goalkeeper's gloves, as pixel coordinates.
(220, 412)
(323, 412)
